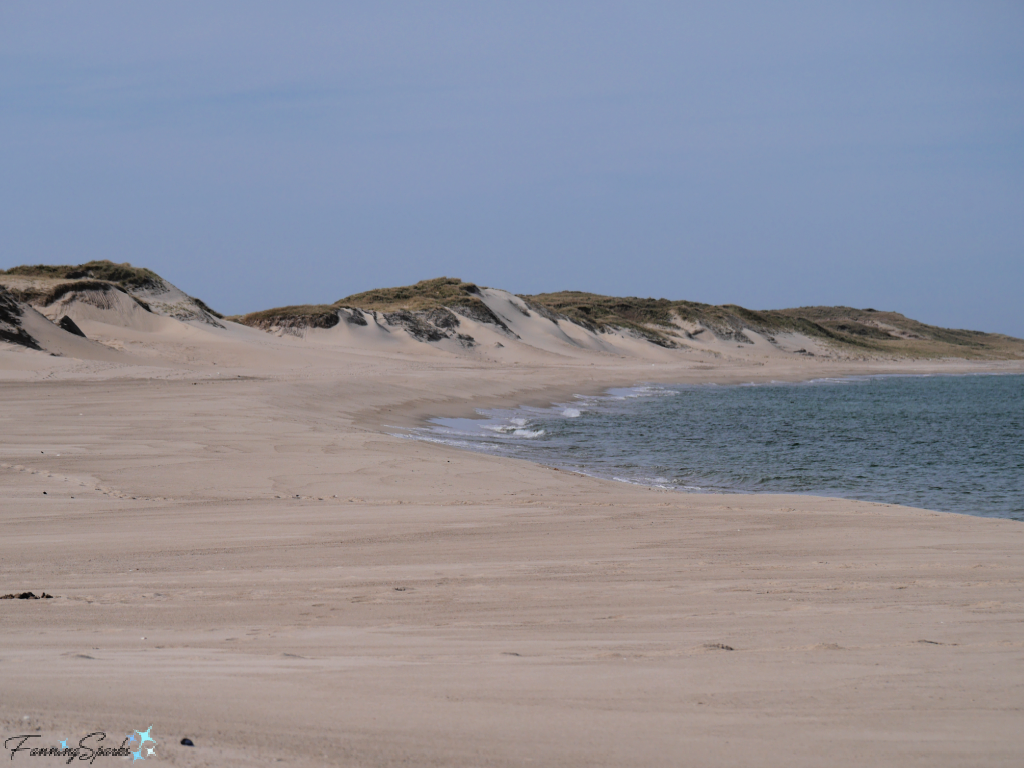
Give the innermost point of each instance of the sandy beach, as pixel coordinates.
(241, 554)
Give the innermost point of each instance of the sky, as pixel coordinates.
(258, 154)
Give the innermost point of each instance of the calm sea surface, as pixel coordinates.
(951, 443)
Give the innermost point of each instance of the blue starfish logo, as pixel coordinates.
(143, 737)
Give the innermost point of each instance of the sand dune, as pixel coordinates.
(241, 554)
(526, 336)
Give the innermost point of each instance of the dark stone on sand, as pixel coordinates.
(187, 743)
(70, 326)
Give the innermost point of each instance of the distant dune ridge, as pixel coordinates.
(427, 309)
(461, 316)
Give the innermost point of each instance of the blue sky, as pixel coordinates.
(770, 155)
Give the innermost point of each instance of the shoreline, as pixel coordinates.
(521, 449)
(409, 414)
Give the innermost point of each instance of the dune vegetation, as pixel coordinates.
(123, 275)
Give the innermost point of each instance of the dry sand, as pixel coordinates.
(243, 556)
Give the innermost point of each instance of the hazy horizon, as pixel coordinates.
(259, 155)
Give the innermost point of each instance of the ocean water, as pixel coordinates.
(950, 443)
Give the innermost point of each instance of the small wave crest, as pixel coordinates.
(514, 427)
(643, 390)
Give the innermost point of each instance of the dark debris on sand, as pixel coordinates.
(26, 596)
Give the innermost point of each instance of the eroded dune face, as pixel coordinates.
(114, 305)
(108, 306)
(515, 330)
(23, 327)
(12, 328)
(96, 311)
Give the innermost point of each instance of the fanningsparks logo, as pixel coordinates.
(138, 745)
